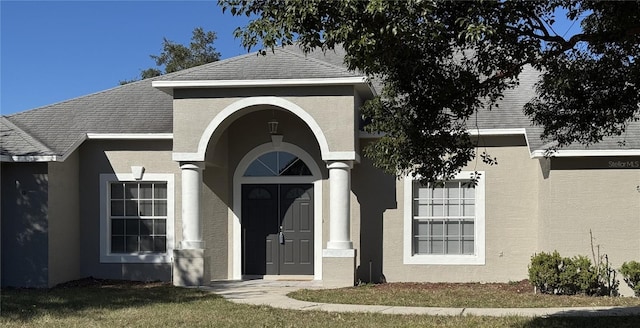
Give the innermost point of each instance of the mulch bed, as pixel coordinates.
(518, 287)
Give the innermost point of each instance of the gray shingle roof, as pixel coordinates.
(139, 108)
(509, 114)
(133, 108)
(281, 64)
(15, 142)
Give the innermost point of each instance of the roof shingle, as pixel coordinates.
(140, 108)
(15, 142)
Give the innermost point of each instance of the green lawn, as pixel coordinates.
(468, 295)
(112, 304)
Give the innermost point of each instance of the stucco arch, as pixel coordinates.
(255, 101)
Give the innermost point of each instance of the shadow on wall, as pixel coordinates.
(24, 224)
(146, 271)
(545, 167)
(376, 192)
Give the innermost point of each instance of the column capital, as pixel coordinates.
(347, 164)
(192, 165)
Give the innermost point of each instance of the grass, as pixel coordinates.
(116, 304)
(468, 295)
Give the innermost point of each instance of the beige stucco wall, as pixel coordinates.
(374, 200)
(510, 222)
(214, 211)
(580, 195)
(332, 108)
(64, 220)
(117, 156)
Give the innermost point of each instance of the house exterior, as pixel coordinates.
(252, 166)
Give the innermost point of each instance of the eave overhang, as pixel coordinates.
(361, 83)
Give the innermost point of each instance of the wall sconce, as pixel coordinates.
(276, 139)
(273, 126)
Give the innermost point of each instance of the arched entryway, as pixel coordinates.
(277, 213)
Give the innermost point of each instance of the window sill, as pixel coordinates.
(135, 258)
(445, 259)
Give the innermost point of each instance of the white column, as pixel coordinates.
(340, 205)
(191, 194)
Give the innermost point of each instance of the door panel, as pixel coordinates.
(265, 208)
(260, 229)
(296, 207)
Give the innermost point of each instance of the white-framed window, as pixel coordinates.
(444, 223)
(136, 218)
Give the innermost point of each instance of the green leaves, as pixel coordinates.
(175, 57)
(631, 273)
(443, 61)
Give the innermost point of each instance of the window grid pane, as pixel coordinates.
(444, 216)
(138, 217)
(277, 163)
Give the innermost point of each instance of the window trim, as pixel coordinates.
(105, 228)
(479, 226)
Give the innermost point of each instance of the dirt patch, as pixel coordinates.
(518, 287)
(111, 283)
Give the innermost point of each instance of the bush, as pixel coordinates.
(552, 274)
(544, 272)
(578, 276)
(631, 273)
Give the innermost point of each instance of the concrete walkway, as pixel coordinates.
(273, 293)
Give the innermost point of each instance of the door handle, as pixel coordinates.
(281, 236)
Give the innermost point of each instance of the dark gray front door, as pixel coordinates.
(269, 210)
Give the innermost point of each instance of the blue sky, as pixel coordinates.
(51, 51)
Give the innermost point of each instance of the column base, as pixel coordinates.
(338, 268)
(190, 267)
(192, 244)
(339, 245)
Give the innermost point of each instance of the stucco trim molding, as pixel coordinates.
(348, 253)
(342, 156)
(30, 158)
(168, 86)
(497, 132)
(130, 136)
(586, 153)
(77, 143)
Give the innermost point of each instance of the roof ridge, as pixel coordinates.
(32, 140)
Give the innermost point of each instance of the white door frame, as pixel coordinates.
(238, 180)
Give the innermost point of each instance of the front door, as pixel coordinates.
(277, 229)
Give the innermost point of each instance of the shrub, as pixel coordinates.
(544, 272)
(578, 276)
(606, 275)
(552, 274)
(631, 273)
